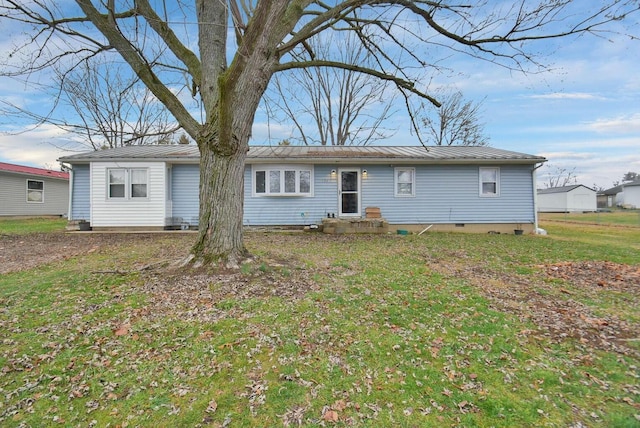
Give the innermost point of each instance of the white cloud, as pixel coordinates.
(567, 155)
(270, 133)
(39, 147)
(621, 124)
(594, 144)
(599, 168)
(567, 96)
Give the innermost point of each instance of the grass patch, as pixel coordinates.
(598, 242)
(22, 226)
(401, 333)
(613, 217)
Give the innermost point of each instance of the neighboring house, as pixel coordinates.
(476, 189)
(629, 196)
(625, 195)
(28, 191)
(567, 199)
(607, 198)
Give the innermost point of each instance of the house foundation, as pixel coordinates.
(339, 226)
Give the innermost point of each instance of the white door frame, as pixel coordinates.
(357, 192)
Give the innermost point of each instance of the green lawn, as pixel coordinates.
(402, 331)
(20, 226)
(609, 217)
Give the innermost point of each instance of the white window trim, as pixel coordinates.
(480, 182)
(41, 201)
(127, 184)
(281, 168)
(396, 182)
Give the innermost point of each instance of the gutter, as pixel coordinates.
(535, 195)
(322, 160)
(392, 161)
(71, 177)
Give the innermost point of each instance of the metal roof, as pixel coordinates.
(619, 188)
(29, 170)
(318, 154)
(562, 189)
(128, 153)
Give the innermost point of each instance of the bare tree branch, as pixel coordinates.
(455, 123)
(556, 176)
(330, 105)
(134, 57)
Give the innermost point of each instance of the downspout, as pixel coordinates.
(535, 197)
(71, 178)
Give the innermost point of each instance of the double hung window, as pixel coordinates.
(405, 182)
(489, 182)
(35, 191)
(127, 183)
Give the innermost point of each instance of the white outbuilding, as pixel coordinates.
(629, 197)
(566, 199)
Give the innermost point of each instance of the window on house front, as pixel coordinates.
(35, 191)
(138, 183)
(127, 183)
(117, 184)
(405, 181)
(282, 181)
(489, 181)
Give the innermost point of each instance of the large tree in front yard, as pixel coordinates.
(225, 53)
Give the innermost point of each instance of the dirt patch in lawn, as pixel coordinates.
(23, 252)
(211, 296)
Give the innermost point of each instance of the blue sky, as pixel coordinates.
(582, 114)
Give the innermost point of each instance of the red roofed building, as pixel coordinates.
(29, 191)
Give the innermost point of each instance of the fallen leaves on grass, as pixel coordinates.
(596, 274)
(200, 296)
(533, 299)
(294, 416)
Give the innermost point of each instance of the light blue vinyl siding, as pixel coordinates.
(185, 181)
(292, 210)
(450, 194)
(444, 194)
(81, 198)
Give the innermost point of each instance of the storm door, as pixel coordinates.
(349, 192)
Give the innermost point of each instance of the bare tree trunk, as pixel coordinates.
(220, 237)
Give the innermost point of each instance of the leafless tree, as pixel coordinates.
(332, 106)
(630, 176)
(455, 123)
(556, 176)
(104, 107)
(172, 46)
(115, 111)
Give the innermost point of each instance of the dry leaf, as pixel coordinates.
(330, 416)
(123, 330)
(339, 405)
(212, 407)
